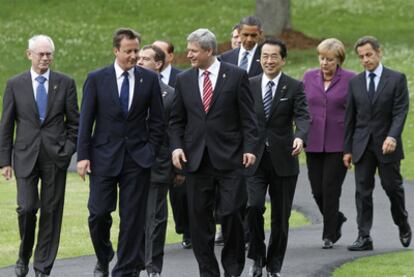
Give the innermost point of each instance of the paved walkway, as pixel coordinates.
(304, 256)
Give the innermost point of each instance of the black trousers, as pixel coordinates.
(281, 191)
(50, 202)
(156, 226)
(133, 184)
(326, 173)
(391, 182)
(201, 188)
(179, 206)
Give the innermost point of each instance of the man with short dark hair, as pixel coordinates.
(213, 138)
(120, 132)
(247, 56)
(281, 108)
(168, 72)
(376, 111)
(42, 105)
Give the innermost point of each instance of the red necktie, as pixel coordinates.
(207, 91)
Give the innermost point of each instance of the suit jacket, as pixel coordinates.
(385, 116)
(56, 135)
(105, 134)
(163, 171)
(173, 76)
(228, 130)
(327, 110)
(288, 119)
(232, 56)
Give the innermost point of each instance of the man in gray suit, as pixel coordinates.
(162, 173)
(42, 104)
(374, 120)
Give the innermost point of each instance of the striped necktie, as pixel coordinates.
(207, 91)
(267, 100)
(244, 61)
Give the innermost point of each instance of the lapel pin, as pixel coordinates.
(224, 75)
(140, 80)
(55, 87)
(164, 93)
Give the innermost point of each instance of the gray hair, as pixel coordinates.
(205, 39)
(35, 39)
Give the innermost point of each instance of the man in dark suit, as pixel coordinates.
(43, 105)
(120, 132)
(247, 56)
(168, 72)
(213, 136)
(374, 120)
(178, 191)
(162, 174)
(281, 108)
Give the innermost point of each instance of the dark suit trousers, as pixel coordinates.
(50, 201)
(133, 184)
(179, 206)
(326, 173)
(391, 182)
(281, 191)
(201, 187)
(156, 226)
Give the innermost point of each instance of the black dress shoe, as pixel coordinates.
(40, 274)
(186, 243)
(102, 269)
(341, 220)
(257, 268)
(327, 244)
(21, 269)
(405, 235)
(361, 244)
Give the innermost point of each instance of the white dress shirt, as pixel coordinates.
(214, 71)
(249, 57)
(35, 83)
(265, 81)
(120, 78)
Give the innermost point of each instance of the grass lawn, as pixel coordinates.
(75, 239)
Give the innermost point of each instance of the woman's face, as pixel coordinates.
(328, 63)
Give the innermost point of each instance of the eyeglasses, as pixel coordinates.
(43, 54)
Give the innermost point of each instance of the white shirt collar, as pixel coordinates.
(119, 71)
(213, 69)
(377, 71)
(275, 80)
(251, 51)
(34, 74)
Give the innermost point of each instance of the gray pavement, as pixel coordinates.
(304, 256)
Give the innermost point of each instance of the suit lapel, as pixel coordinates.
(381, 85)
(112, 87)
(258, 99)
(28, 91)
(52, 91)
(280, 93)
(193, 83)
(221, 79)
(255, 65)
(137, 88)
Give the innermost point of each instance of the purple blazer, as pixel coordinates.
(327, 110)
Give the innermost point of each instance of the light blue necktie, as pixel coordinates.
(267, 100)
(244, 61)
(41, 97)
(124, 97)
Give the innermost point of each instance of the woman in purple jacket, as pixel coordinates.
(326, 91)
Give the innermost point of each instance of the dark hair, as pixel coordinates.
(170, 48)
(237, 26)
(367, 40)
(159, 55)
(122, 33)
(277, 42)
(251, 21)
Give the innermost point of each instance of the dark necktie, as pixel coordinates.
(41, 97)
(244, 61)
(371, 87)
(267, 100)
(124, 97)
(207, 91)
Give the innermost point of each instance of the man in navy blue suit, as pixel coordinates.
(121, 129)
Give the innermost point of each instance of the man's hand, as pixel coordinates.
(178, 156)
(7, 172)
(178, 180)
(297, 146)
(83, 167)
(347, 159)
(389, 145)
(248, 159)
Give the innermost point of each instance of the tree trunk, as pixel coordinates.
(275, 16)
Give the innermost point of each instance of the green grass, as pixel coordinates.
(75, 239)
(391, 265)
